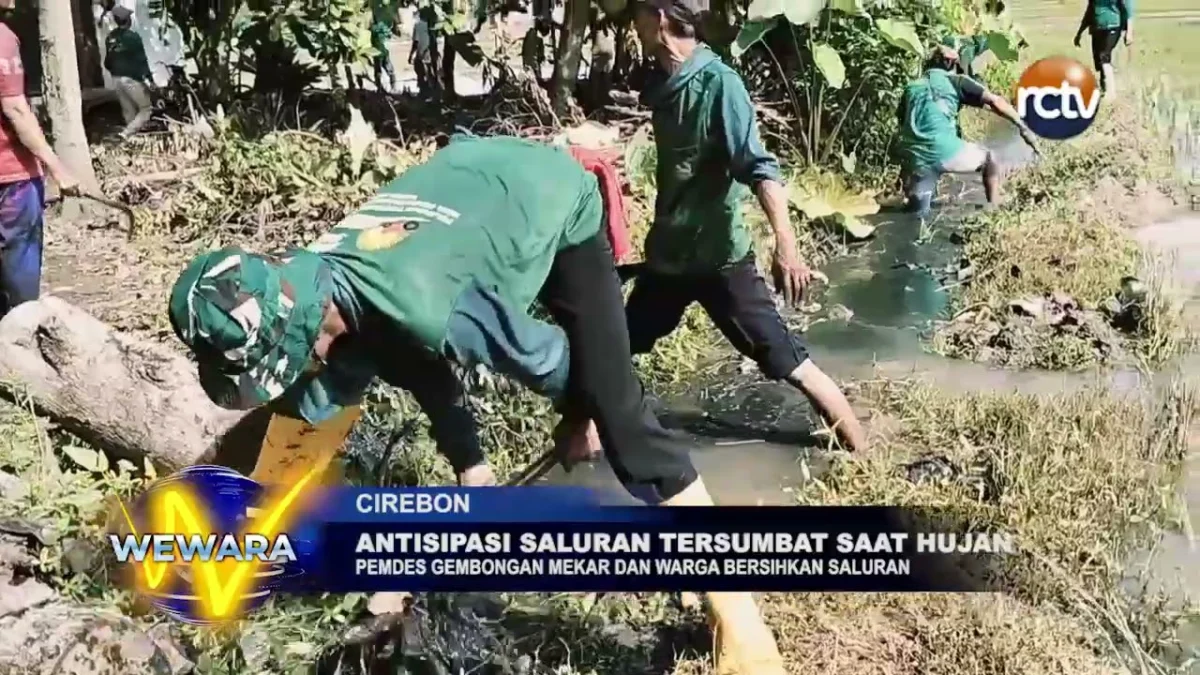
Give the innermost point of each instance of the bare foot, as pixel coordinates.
(480, 475)
(578, 444)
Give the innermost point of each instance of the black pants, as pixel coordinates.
(383, 66)
(1103, 44)
(583, 295)
(736, 299)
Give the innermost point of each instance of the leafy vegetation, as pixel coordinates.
(839, 66)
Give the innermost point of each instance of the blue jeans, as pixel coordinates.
(21, 207)
(919, 190)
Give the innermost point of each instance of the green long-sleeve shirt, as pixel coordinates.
(1108, 14)
(709, 151)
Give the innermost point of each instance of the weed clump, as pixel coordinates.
(1065, 235)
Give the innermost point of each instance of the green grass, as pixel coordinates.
(1066, 227)
(1067, 224)
(1081, 480)
(1162, 46)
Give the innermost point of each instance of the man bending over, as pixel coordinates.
(929, 140)
(443, 265)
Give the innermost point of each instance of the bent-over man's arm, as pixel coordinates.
(485, 329)
(443, 399)
(973, 93)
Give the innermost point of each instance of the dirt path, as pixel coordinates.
(91, 263)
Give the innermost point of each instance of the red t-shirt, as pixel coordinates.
(16, 162)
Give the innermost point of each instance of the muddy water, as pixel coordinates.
(753, 439)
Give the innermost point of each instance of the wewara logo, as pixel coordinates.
(1058, 97)
(210, 544)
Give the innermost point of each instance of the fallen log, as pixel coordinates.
(132, 398)
(64, 638)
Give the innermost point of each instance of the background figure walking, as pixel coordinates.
(125, 60)
(1106, 20)
(422, 56)
(383, 26)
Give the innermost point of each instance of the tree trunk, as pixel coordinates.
(87, 46)
(60, 90)
(449, 56)
(568, 55)
(604, 55)
(132, 398)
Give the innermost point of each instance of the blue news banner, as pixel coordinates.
(556, 539)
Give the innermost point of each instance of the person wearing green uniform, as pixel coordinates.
(383, 26)
(698, 248)
(929, 141)
(441, 266)
(125, 60)
(1107, 20)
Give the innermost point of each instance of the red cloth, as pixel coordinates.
(16, 161)
(600, 163)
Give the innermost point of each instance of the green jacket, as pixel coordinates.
(383, 20)
(1109, 14)
(708, 151)
(928, 118)
(451, 255)
(125, 55)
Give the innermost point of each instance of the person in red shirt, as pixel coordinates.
(23, 153)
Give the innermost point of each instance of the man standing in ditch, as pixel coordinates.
(23, 153)
(443, 265)
(698, 248)
(930, 143)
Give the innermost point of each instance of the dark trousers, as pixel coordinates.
(1103, 44)
(21, 206)
(736, 299)
(383, 66)
(583, 294)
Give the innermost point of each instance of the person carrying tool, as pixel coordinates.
(698, 248)
(125, 60)
(1106, 20)
(23, 153)
(930, 143)
(383, 25)
(443, 264)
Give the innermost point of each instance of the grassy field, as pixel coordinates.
(1165, 37)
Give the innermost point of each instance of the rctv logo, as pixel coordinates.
(1058, 97)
